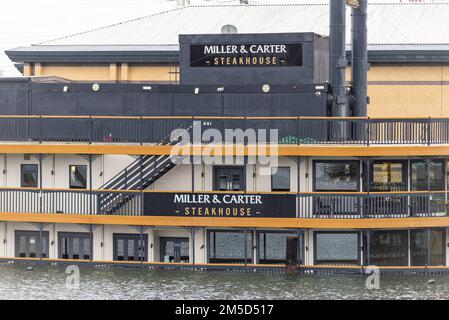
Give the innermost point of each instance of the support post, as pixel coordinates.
(193, 245)
(141, 246)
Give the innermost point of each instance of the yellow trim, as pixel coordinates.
(283, 223)
(280, 150)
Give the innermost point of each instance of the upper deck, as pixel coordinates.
(283, 136)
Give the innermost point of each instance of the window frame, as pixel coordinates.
(22, 172)
(359, 247)
(289, 179)
(250, 253)
(314, 170)
(70, 177)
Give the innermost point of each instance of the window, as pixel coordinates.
(78, 177)
(423, 178)
(74, 246)
(421, 241)
(280, 179)
(27, 244)
(29, 175)
(337, 248)
(174, 250)
(387, 248)
(389, 176)
(337, 176)
(229, 247)
(229, 178)
(130, 247)
(275, 247)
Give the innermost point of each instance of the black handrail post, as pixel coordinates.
(91, 129)
(298, 133)
(141, 130)
(368, 134)
(40, 129)
(429, 131)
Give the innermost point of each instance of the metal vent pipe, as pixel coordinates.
(338, 62)
(359, 64)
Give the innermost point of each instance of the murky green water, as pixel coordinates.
(50, 283)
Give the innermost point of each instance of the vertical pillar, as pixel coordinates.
(193, 173)
(368, 248)
(40, 183)
(429, 244)
(246, 246)
(39, 247)
(193, 244)
(90, 186)
(113, 72)
(124, 72)
(141, 246)
(91, 247)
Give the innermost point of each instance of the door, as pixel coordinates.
(27, 244)
(427, 176)
(229, 179)
(389, 176)
(174, 250)
(130, 247)
(74, 246)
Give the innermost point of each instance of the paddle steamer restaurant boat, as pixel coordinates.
(89, 172)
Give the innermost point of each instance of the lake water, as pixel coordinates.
(47, 282)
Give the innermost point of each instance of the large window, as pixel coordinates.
(425, 177)
(229, 247)
(336, 176)
(29, 176)
(74, 246)
(279, 248)
(280, 179)
(337, 248)
(27, 244)
(130, 247)
(387, 248)
(388, 176)
(427, 247)
(78, 177)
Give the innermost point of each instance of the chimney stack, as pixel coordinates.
(359, 64)
(338, 62)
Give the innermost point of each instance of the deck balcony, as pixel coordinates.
(290, 130)
(157, 208)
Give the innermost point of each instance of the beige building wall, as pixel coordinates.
(105, 72)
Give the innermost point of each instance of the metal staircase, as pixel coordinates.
(139, 175)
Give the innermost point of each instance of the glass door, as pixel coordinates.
(174, 250)
(388, 176)
(130, 247)
(427, 176)
(229, 179)
(27, 244)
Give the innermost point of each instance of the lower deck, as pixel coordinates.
(225, 248)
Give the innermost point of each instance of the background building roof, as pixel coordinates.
(407, 27)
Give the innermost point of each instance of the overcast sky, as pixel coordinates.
(24, 22)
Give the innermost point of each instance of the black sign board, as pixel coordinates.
(246, 55)
(221, 205)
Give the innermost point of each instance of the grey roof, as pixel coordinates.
(392, 27)
(389, 23)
